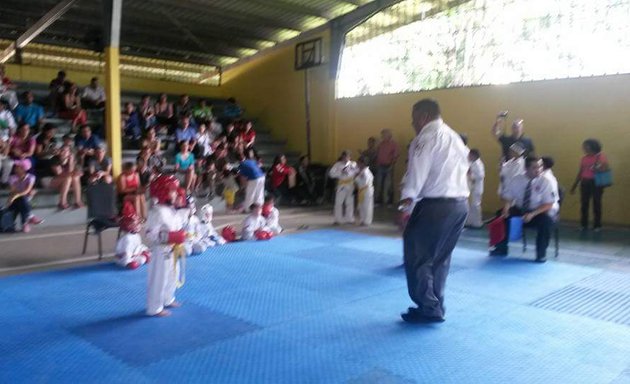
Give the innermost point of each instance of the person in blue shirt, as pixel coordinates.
(29, 112)
(86, 144)
(255, 190)
(185, 132)
(132, 125)
(185, 166)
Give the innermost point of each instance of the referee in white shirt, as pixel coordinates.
(436, 182)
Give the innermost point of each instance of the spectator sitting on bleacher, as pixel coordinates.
(147, 112)
(29, 112)
(130, 189)
(164, 113)
(185, 132)
(185, 166)
(183, 106)
(131, 123)
(204, 142)
(70, 107)
(93, 95)
(22, 184)
(7, 121)
(100, 166)
(152, 142)
(86, 143)
(7, 89)
(230, 133)
(45, 150)
(22, 144)
(56, 88)
(68, 141)
(232, 110)
(144, 171)
(66, 176)
(248, 135)
(203, 113)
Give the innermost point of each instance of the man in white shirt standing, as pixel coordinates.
(436, 182)
(93, 95)
(532, 196)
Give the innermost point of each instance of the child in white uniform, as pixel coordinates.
(476, 176)
(344, 171)
(271, 215)
(209, 236)
(255, 224)
(130, 252)
(165, 234)
(365, 192)
(194, 231)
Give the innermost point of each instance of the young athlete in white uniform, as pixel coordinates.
(271, 215)
(209, 236)
(344, 171)
(511, 168)
(254, 226)
(194, 231)
(166, 235)
(130, 252)
(476, 176)
(365, 192)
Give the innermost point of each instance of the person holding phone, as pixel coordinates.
(517, 136)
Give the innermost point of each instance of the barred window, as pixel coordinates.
(416, 45)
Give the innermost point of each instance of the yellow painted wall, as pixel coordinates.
(273, 92)
(558, 115)
(45, 74)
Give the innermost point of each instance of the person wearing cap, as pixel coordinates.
(513, 166)
(436, 192)
(517, 136)
(21, 184)
(531, 196)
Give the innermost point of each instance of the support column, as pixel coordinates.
(113, 11)
(112, 108)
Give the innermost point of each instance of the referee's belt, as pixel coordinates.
(345, 182)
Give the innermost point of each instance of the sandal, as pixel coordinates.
(62, 207)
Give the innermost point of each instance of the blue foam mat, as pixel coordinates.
(314, 307)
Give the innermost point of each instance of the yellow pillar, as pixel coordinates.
(112, 108)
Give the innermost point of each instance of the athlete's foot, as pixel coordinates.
(163, 313)
(174, 304)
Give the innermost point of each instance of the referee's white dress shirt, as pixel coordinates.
(438, 164)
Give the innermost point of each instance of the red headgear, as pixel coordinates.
(266, 209)
(130, 224)
(162, 187)
(229, 233)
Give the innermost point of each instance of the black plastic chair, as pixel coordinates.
(101, 213)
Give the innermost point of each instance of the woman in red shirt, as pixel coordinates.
(592, 162)
(130, 189)
(248, 135)
(280, 173)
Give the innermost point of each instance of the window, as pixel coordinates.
(482, 42)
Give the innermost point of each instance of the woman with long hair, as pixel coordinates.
(592, 162)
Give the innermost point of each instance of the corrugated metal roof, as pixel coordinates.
(216, 32)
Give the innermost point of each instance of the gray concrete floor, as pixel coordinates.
(60, 247)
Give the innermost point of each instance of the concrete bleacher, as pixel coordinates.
(45, 201)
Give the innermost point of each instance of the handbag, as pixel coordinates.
(603, 179)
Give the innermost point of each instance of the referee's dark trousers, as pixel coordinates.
(429, 239)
